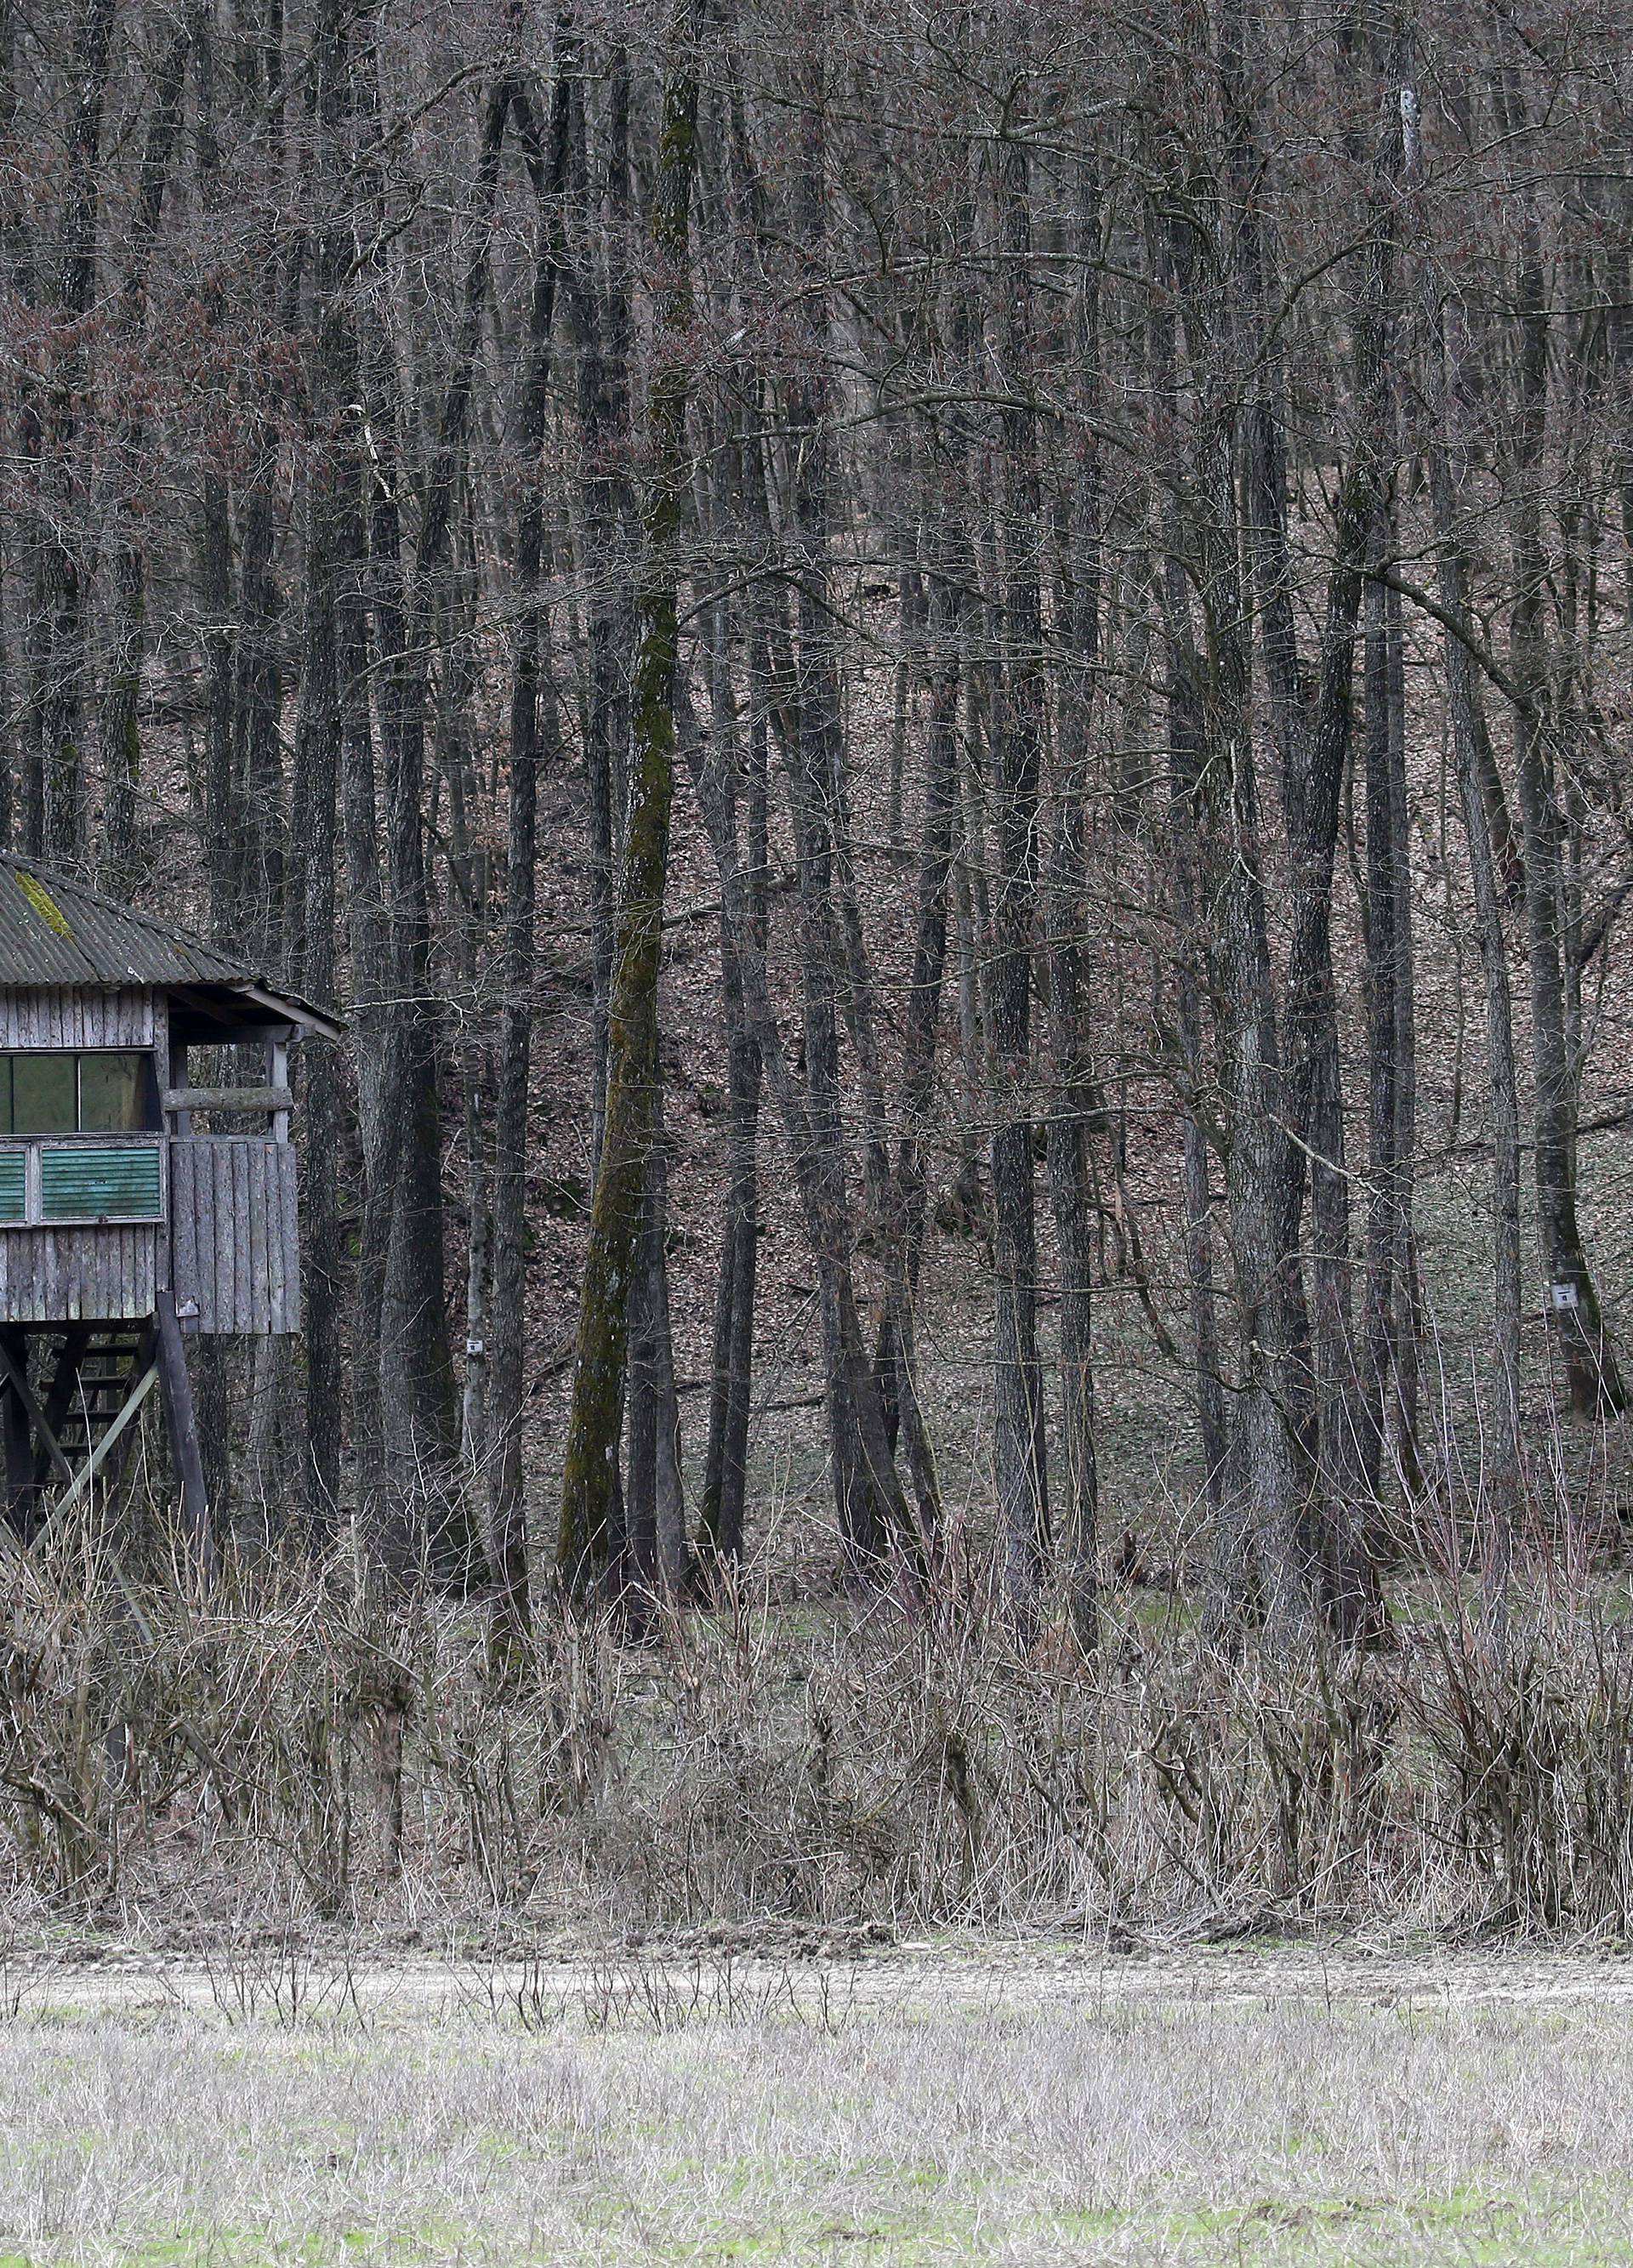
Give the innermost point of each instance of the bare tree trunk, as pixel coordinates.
(338, 510)
(897, 1353)
(309, 961)
(1388, 1406)
(1227, 1553)
(1591, 1374)
(1408, 1329)
(416, 1375)
(1264, 1554)
(1020, 1450)
(865, 1473)
(121, 738)
(1070, 1170)
(508, 1541)
(594, 1423)
(867, 1492)
(599, 317)
(63, 675)
(1312, 713)
(720, 1521)
(1503, 1470)
(654, 1558)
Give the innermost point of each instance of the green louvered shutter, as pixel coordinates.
(84, 1183)
(13, 1184)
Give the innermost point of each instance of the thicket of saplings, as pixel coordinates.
(290, 1751)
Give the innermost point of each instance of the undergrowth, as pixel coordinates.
(279, 1746)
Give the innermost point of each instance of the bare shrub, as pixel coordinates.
(819, 1769)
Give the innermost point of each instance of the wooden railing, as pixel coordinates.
(234, 1235)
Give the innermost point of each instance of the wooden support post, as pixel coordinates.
(16, 1379)
(108, 1444)
(277, 1078)
(58, 1402)
(20, 1456)
(183, 1122)
(178, 1400)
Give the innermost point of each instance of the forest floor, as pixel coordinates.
(1036, 2103)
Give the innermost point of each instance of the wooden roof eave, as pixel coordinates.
(306, 1022)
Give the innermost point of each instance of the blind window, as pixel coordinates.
(85, 1183)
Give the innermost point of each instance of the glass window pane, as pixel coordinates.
(42, 1095)
(114, 1093)
(5, 1094)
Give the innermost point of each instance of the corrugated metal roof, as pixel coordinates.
(56, 930)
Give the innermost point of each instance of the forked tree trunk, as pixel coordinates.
(1264, 1556)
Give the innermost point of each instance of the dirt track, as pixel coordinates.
(86, 1981)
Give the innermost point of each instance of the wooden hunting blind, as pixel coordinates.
(134, 1205)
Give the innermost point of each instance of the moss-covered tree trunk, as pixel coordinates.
(589, 1471)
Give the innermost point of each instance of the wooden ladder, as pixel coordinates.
(97, 1367)
(78, 1431)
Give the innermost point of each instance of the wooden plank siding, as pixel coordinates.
(78, 1274)
(60, 1016)
(233, 1224)
(230, 1251)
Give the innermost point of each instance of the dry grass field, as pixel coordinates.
(1031, 2106)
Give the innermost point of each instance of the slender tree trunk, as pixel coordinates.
(1070, 1166)
(594, 1424)
(1019, 1446)
(721, 1523)
(654, 1540)
(122, 737)
(600, 318)
(338, 391)
(1268, 1476)
(1228, 1551)
(1385, 831)
(1592, 1373)
(309, 961)
(1312, 711)
(867, 1492)
(899, 1339)
(65, 673)
(507, 1545)
(1407, 1327)
(1388, 1406)
(1503, 1464)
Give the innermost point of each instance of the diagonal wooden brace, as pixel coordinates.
(19, 1386)
(94, 1463)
